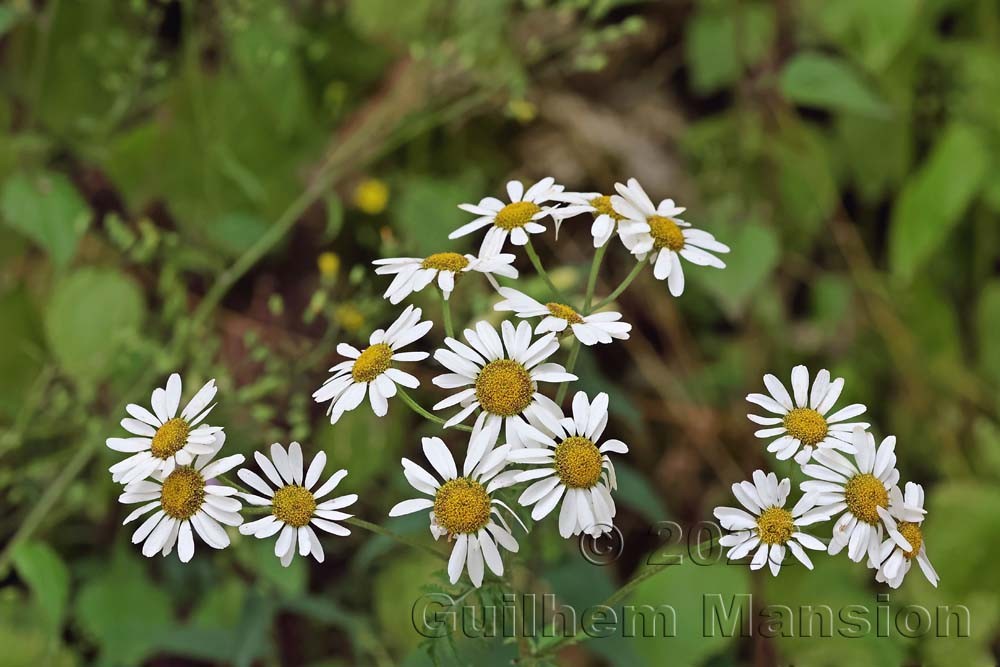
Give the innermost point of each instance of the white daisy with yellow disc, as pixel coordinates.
(765, 527)
(905, 543)
(574, 467)
(657, 233)
(602, 327)
(163, 439)
(516, 219)
(606, 218)
(498, 376)
(413, 274)
(186, 500)
(372, 370)
(856, 491)
(462, 506)
(802, 419)
(296, 504)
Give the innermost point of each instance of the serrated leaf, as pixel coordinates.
(935, 197)
(831, 83)
(46, 208)
(88, 317)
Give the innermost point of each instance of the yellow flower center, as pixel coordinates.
(564, 312)
(183, 493)
(807, 425)
(504, 388)
(603, 206)
(293, 505)
(516, 215)
(461, 506)
(775, 525)
(864, 494)
(170, 438)
(445, 261)
(578, 462)
(373, 362)
(913, 535)
(665, 233)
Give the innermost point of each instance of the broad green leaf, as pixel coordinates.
(935, 197)
(25, 641)
(397, 588)
(688, 589)
(124, 612)
(962, 534)
(831, 83)
(710, 50)
(987, 326)
(836, 583)
(46, 208)
(21, 353)
(46, 574)
(88, 317)
(754, 254)
(427, 211)
(636, 493)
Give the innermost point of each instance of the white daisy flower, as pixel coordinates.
(767, 526)
(906, 539)
(804, 422)
(162, 439)
(415, 273)
(463, 507)
(590, 329)
(854, 490)
(371, 370)
(518, 218)
(295, 506)
(573, 467)
(186, 498)
(499, 377)
(606, 218)
(657, 233)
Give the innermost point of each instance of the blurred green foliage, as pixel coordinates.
(170, 172)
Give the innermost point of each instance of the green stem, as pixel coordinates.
(423, 412)
(623, 286)
(402, 539)
(537, 263)
(592, 278)
(446, 309)
(574, 352)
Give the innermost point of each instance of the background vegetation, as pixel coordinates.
(202, 186)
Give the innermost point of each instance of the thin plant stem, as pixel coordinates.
(574, 353)
(402, 539)
(446, 310)
(423, 412)
(537, 263)
(592, 278)
(623, 286)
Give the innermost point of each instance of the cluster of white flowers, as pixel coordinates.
(850, 479)
(495, 375)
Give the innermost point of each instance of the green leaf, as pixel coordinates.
(124, 612)
(46, 574)
(88, 317)
(24, 639)
(828, 82)
(987, 325)
(935, 197)
(755, 253)
(20, 352)
(687, 588)
(427, 212)
(710, 50)
(635, 492)
(46, 208)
